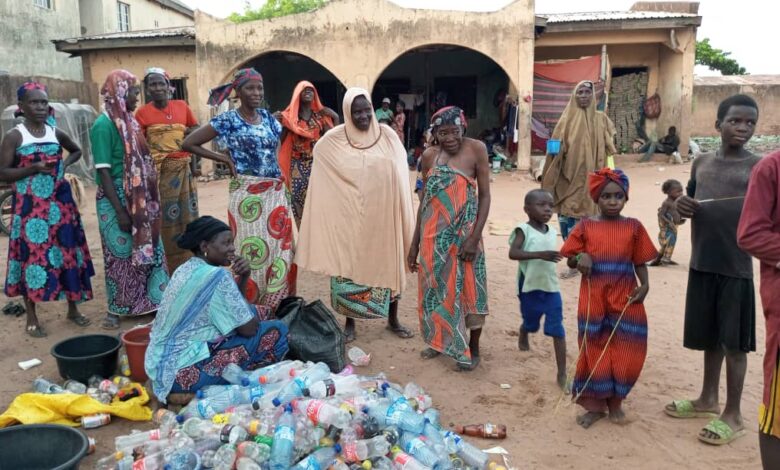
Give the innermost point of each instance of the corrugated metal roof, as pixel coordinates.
(183, 31)
(613, 16)
(737, 80)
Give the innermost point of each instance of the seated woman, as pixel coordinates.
(204, 322)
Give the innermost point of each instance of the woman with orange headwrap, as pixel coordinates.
(305, 120)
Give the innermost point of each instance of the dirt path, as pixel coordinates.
(540, 435)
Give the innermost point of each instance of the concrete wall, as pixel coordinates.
(101, 16)
(357, 39)
(670, 66)
(708, 95)
(178, 62)
(25, 32)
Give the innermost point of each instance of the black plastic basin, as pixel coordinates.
(81, 357)
(41, 447)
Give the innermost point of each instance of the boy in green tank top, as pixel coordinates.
(534, 244)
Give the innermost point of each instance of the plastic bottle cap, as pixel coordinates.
(167, 466)
(199, 394)
(337, 448)
(276, 402)
(288, 408)
(244, 381)
(367, 465)
(365, 409)
(306, 392)
(293, 372)
(180, 419)
(263, 379)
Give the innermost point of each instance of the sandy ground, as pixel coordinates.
(540, 434)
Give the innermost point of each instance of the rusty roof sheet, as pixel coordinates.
(612, 16)
(181, 31)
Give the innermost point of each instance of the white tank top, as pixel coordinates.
(50, 137)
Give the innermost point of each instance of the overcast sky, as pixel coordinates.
(731, 26)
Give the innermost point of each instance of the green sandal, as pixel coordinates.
(684, 409)
(725, 434)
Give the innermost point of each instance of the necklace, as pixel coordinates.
(39, 132)
(166, 110)
(254, 120)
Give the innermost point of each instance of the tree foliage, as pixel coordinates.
(277, 8)
(717, 59)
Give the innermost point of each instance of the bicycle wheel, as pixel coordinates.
(6, 211)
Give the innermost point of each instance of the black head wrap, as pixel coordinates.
(201, 229)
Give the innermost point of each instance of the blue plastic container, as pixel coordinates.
(553, 146)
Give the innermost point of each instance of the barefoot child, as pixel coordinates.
(534, 244)
(668, 220)
(720, 312)
(610, 251)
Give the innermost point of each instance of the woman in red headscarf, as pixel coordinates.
(610, 251)
(305, 120)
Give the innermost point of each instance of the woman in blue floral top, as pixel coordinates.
(259, 210)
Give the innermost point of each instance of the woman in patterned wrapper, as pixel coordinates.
(259, 210)
(48, 258)
(205, 323)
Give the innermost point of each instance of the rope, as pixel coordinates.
(573, 369)
(722, 199)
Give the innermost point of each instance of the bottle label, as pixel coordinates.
(255, 393)
(490, 430)
(220, 418)
(349, 451)
(330, 387)
(414, 445)
(285, 433)
(95, 421)
(224, 435)
(313, 411)
(139, 464)
(401, 458)
(310, 463)
(252, 428)
(154, 435)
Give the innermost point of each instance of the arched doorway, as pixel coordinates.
(283, 70)
(429, 77)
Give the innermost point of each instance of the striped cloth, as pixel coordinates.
(616, 247)
(550, 99)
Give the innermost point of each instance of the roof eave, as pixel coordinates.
(622, 25)
(77, 48)
(179, 7)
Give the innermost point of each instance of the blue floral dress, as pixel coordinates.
(48, 257)
(252, 147)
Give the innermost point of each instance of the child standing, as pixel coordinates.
(720, 310)
(610, 251)
(668, 220)
(534, 244)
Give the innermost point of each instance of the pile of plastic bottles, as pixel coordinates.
(295, 415)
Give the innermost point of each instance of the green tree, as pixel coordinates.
(717, 59)
(276, 8)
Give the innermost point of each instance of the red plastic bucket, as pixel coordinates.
(136, 342)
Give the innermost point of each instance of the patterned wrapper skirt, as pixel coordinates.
(179, 202)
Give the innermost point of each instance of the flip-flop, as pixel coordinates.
(684, 409)
(401, 331)
(725, 434)
(469, 367)
(36, 331)
(80, 320)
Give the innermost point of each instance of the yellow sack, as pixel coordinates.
(68, 408)
(610, 162)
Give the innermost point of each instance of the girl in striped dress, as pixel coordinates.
(610, 251)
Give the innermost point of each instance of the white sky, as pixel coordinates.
(732, 26)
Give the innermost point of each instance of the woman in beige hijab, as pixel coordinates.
(358, 218)
(587, 138)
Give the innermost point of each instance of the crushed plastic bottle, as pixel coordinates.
(41, 385)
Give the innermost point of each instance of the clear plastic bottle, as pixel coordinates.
(390, 415)
(233, 396)
(191, 410)
(356, 451)
(198, 428)
(404, 461)
(124, 364)
(225, 457)
(166, 420)
(109, 462)
(334, 386)
(276, 372)
(470, 454)
(419, 449)
(41, 385)
(150, 462)
(319, 459)
(382, 463)
(207, 458)
(260, 453)
(230, 434)
(295, 388)
(74, 386)
(322, 413)
(416, 393)
(136, 439)
(244, 463)
(284, 440)
(235, 375)
(435, 440)
(213, 390)
(433, 416)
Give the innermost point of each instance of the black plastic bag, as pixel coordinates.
(314, 334)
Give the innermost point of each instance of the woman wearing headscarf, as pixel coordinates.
(259, 209)
(587, 138)
(358, 218)
(305, 120)
(205, 323)
(128, 204)
(448, 240)
(48, 257)
(611, 252)
(165, 122)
